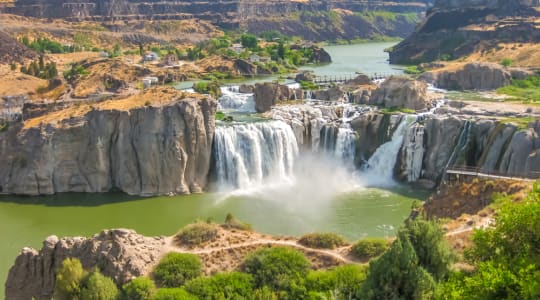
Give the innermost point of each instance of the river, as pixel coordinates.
(309, 205)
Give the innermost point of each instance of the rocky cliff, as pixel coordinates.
(120, 254)
(454, 28)
(150, 149)
(313, 19)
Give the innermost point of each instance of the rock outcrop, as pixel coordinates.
(471, 76)
(119, 253)
(401, 92)
(455, 28)
(268, 94)
(148, 150)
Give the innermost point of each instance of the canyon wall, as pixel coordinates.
(143, 151)
(454, 28)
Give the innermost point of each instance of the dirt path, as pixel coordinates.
(333, 253)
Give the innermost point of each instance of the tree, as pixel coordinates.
(68, 279)
(140, 288)
(249, 41)
(278, 267)
(397, 274)
(176, 268)
(98, 287)
(281, 50)
(430, 246)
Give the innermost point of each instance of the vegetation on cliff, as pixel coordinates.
(527, 89)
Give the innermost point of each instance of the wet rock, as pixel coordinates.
(472, 76)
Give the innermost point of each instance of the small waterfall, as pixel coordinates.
(309, 95)
(247, 155)
(328, 140)
(463, 142)
(345, 144)
(413, 144)
(232, 99)
(380, 166)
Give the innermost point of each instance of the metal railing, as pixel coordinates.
(479, 172)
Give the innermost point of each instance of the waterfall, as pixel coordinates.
(246, 155)
(463, 142)
(232, 99)
(380, 166)
(413, 144)
(345, 144)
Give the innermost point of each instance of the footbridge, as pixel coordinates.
(455, 173)
(323, 80)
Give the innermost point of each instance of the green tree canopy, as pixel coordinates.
(176, 268)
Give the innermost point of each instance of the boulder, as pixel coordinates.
(401, 92)
(268, 94)
(304, 76)
(246, 88)
(320, 55)
(471, 76)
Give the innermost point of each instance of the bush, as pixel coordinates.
(99, 287)
(412, 70)
(232, 222)
(507, 62)
(196, 234)
(234, 285)
(141, 288)
(68, 279)
(173, 294)
(322, 240)
(176, 268)
(278, 267)
(369, 248)
(343, 281)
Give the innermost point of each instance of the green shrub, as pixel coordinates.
(308, 85)
(507, 62)
(220, 115)
(234, 285)
(322, 240)
(99, 287)
(196, 234)
(141, 288)
(369, 248)
(176, 268)
(412, 70)
(279, 268)
(4, 127)
(68, 279)
(232, 222)
(173, 294)
(343, 282)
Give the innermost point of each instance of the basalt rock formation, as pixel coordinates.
(268, 94)
(255, 16)
(119, 253)
(454, 28)
(148, 150)
(472, 76)
(401, 92)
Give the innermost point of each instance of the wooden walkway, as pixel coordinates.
(478, 172)
(337, 79)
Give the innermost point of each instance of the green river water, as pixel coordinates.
(27, 221)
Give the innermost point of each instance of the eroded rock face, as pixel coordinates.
(143, 151)
(267, 94)
(401, 92)
(119, 253)
(472, 76)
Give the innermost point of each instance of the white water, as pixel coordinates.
(248, 155)
(345, 144)
(231, 99)
(380, 166)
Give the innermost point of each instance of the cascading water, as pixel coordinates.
(345, 144)
(233, 100)
(247, 154)
(380, 166)
(461, 146)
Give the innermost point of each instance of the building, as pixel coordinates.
(170, 60)
(149, 81)
(151, 56)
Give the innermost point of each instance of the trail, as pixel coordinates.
(333, 253)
